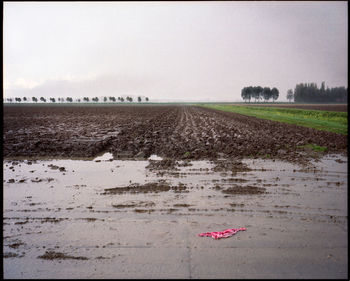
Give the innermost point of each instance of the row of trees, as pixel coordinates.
(258, 93)
(309, 92)
(85, 99)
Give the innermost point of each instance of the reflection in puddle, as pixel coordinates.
(155, 157)
(105, 157)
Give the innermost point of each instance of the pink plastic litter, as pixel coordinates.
(222, 234)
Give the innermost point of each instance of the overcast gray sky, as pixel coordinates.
(171, 50)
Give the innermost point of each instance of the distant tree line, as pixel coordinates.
(85, 99)
(259, 93)
(309, 92)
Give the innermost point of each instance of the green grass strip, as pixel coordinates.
(330, 121)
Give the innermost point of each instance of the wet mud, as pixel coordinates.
(122, 192)
(146, 188)
(133, 204)
(237, 189)
(171, 132)
(50, 255)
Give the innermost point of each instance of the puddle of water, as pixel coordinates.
(60, 203)
(155, 157)
(105, 157)
(80, 183)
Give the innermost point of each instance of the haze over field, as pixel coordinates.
(181, 51)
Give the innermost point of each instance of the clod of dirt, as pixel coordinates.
(171, 210)
(9, 255)
(148, 187)
(36, 180)
(21, 222)
(236, 189)
(53, 167)
(165, 164)
(143, 210)
(53, 220)
(11, 181)
(230, 165)
(234, 180)
(236, 205)
(16, 245)
(89, 219)
(132, 204)
(182, 205)
(51, 255)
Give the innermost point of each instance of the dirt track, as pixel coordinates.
(140, 131)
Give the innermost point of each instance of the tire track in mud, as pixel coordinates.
(193, 133)
(186, 131)
(203, 134)
(144, 135)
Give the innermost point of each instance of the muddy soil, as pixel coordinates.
(51, 255)
(197, 170)
(155, 187)
(174, 132)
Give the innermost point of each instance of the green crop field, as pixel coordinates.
(331, 121)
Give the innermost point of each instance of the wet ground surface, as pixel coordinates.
(177, 132)
(82, 198)
(106, 218)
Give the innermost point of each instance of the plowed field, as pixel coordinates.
(109, 216)
(139, 131)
